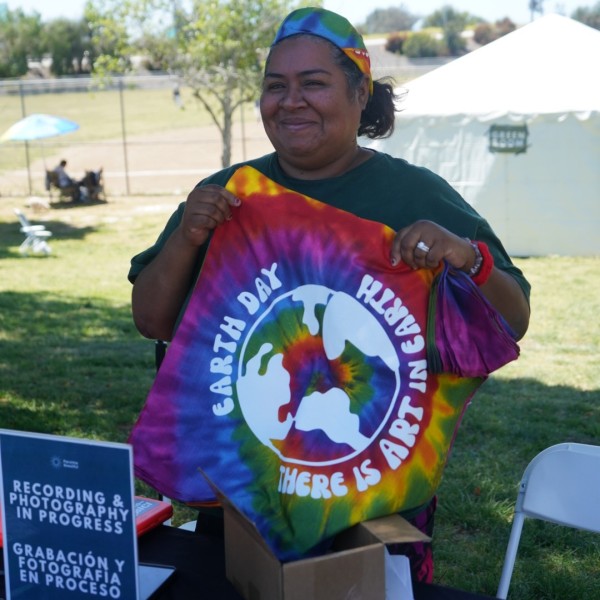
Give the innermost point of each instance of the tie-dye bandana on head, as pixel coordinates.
(298, 379)
(330, 26)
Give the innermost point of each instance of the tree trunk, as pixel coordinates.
(227, 133)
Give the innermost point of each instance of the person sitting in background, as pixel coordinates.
(93, 184)
(318, 96)
(66, 182)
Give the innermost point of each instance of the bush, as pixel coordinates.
(588, 16)
(421, 45)
(504, 26)
(395, 42)
(485, 33)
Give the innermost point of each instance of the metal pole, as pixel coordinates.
(23, 115)
(243, 133)
(124, 136)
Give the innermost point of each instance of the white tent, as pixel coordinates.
(537, 88)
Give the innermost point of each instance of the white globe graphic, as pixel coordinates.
(316, 370)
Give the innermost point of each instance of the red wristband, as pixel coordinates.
(486, 263)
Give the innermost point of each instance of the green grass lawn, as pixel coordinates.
(72, 363)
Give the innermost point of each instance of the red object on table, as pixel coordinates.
(149, 513)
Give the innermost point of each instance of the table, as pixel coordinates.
(200, 563)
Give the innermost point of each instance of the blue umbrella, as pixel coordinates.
(38, 126)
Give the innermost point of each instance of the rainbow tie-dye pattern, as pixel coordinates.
(330, 26)
(297, 381)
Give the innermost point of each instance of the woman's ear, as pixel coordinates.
(363, 92)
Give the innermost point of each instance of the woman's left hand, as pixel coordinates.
(424, 244)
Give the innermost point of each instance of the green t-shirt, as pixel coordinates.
(384, 189)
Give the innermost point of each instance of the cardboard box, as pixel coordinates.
(354, 569)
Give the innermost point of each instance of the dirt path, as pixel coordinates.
(162, 163)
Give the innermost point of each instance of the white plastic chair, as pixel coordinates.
(561, 485)
(35, 236)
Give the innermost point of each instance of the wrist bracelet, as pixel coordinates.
(484, 263)
(474, 270)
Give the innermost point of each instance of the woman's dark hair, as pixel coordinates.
(378, 117)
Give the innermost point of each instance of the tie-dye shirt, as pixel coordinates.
(298, 382)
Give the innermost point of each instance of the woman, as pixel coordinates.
(317, 96)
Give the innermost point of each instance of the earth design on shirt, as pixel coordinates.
(318, 376)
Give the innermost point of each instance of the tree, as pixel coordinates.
(20, 40)
(536, 6)
(66, 41)
(421, 45)
(223, 56)
(389, 19)
(24, 37)
(452, 37)
(453, 23)
(588, 16)
(217, 47)
(448, 15)
(114, 35)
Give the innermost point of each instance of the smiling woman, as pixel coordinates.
(362, 246)
(308, 114)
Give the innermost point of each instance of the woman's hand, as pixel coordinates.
(424, 244)
(162, 287)
(206, 208)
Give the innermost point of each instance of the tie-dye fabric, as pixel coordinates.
(333, 27)
(298, 378)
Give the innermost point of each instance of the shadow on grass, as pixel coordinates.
(71, 369)
(11, 236)
(81, 359)
(509, 422)
(67, 204)
(81, 369)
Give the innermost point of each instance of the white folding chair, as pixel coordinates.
(35, 236)
(561, 485)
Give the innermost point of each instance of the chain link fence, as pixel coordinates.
(147, 133)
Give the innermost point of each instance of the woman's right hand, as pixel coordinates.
(206, 208)
(161, 288)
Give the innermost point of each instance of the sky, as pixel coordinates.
(355, 11)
